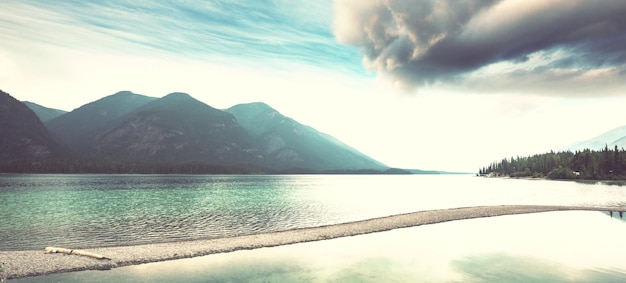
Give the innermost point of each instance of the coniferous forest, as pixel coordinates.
(102, 166)
(606, 164)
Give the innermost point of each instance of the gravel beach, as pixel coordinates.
(17, 264)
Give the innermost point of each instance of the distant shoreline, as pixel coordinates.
(605, 181)
(18, 264)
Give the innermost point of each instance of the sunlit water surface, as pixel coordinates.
(579, 246)
(85, 211)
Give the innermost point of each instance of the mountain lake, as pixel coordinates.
(87, 211)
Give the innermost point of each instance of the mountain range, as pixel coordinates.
(282, 140)
(610, 139)
(45, 114)
(23, 135)
(174, 129)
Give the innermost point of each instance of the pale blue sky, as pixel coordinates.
(415, 84)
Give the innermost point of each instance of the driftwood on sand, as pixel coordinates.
(50, 250)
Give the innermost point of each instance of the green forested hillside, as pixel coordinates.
(605, 164)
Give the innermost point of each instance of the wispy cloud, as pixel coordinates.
(278, 32)
(558, 45)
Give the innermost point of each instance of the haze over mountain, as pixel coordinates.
(78, 128)
(22, 135)
(178, 129)
(610, 138)
(284, 141)
(175, 128)
(45, 114)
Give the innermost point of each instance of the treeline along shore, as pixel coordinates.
(605, 164)
(108, 166)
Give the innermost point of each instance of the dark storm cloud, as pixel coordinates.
(419, 42)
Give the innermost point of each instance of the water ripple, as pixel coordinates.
(83, 211)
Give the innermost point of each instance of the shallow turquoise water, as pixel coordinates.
(83, 211)
(101, 210)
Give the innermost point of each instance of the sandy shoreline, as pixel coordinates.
(17, 264)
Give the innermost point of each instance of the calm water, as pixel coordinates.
(578, 246)
(85, 211)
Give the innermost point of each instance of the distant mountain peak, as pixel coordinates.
(124, 92)
(258, 104)
(180, 102)
(179, 128)
(251, 110)
(259, 107)
(44, 113)
(175, 128)
(78, 126)
(22, 134)
(616, 136)
(285, 143)
(178, 95)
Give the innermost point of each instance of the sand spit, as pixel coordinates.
(17, 264)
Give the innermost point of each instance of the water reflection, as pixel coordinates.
(502, 267)
(619, 183)
(616, 214)
(566, 246)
